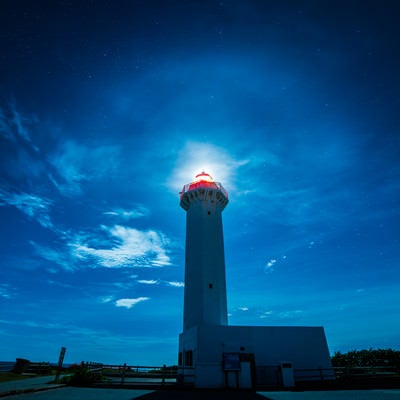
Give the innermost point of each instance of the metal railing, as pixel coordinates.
(315, 374)
(206, 185)
(134, 374)
(340, 373)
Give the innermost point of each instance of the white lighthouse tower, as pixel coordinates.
(212, 353)
(205, 287)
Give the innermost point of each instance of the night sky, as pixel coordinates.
(107, 108)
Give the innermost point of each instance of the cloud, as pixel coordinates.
(157, 282)
(270, 265)
(131, 248)
(5, 291)
(176, 284)
(266, 314)
(126, 215)
(76, 163)
(148, 282)
(35, 207)
(111, 247)
(243, 308)
(55, 255)
(129, 303)
(106, 299)
(13, 125)
(33, 324)
(290, 314)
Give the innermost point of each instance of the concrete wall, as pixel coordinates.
(305, 347)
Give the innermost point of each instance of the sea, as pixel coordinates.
(6, 366)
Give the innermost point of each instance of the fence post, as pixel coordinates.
(123, 374)
(163, 373)
(60, 363)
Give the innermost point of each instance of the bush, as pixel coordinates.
(83, 377)
(367, 358)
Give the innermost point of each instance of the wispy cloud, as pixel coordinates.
(129, 303)
(148, 282)
(126, 215)
(35, 207)
(290, 314)
(109, 247)
(269, 267)
(130, 248)
(106, 299)
(33, 324)
(13, 125)
(77, 163)
(266, 314)
(5, 291)
(158, 282)
(175, 284)
(55, 255)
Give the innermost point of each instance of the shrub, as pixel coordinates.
(83, 377)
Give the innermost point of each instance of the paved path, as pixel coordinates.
(392, 394)
(71, 393)
(32, 384)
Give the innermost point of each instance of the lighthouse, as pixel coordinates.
(205, 284)
(213, 354)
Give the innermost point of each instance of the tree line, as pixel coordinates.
(367, 358)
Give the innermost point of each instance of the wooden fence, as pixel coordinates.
(139, 375)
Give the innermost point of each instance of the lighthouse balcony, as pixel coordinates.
(203, 185)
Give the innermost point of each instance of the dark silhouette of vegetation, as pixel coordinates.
(82, 377)
(367, 358)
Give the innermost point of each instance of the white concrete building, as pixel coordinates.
(212, 353)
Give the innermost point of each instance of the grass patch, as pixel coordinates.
(10, 376)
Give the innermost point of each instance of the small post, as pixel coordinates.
(60, 362)
(164, 368)
(123, 374)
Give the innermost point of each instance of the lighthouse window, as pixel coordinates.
(189, 358)
(210, 285)
(209, 212)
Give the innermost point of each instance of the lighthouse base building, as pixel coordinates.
(213, 354)
(250, 356)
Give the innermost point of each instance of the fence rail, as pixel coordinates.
(366, 371)
(123, 374)
(133, 374)
(344, 372)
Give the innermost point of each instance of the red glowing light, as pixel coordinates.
(203, 180)
(203, 177)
